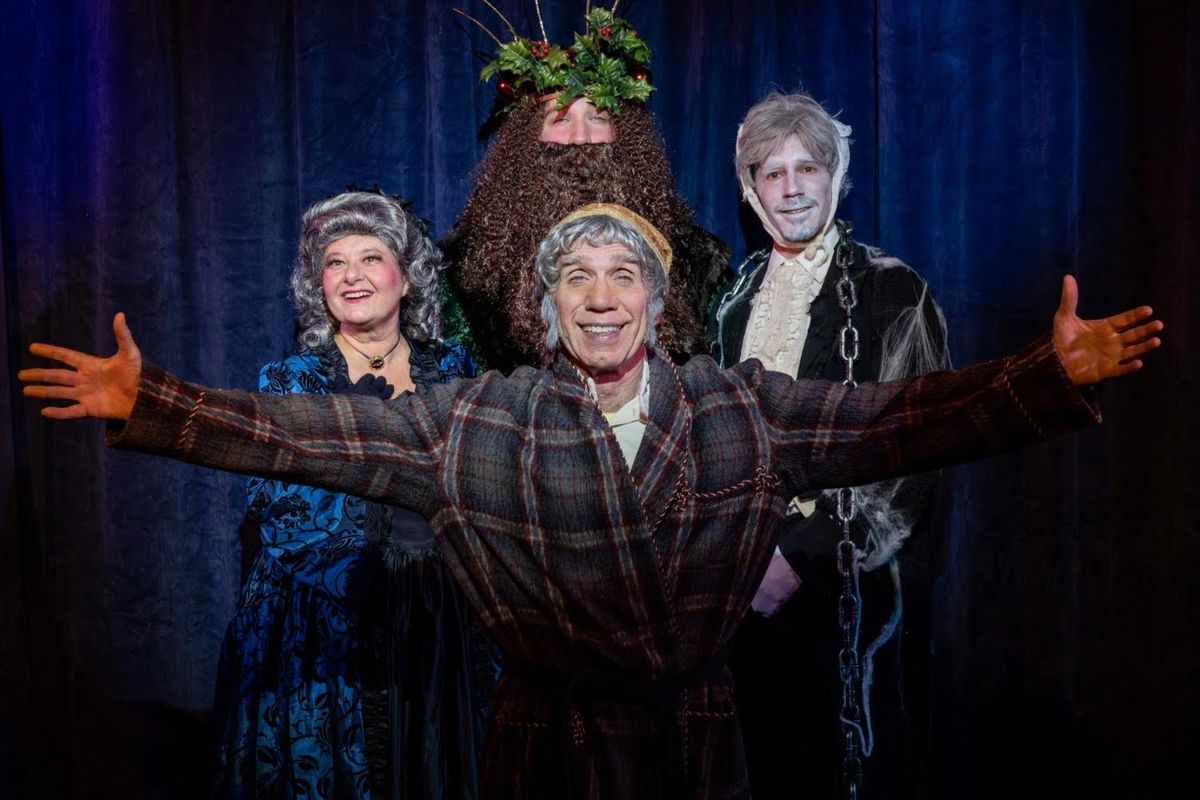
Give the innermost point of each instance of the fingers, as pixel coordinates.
(1070, 296)
(1135, 335)
(64, 412)
(122, 333)
(51, 392)
(1140, 334)
(60, 377)
(1127, 319)
(1138, 349)
(72, 358)
(1125, 368)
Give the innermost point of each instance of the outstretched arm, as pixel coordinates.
(354, 444)
(104, 388)
(1092, 350)
(828, 435)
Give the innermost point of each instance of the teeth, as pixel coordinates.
(601, 329)
(356, 295)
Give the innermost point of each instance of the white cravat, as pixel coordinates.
(780, 312)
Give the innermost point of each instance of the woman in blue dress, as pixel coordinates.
(352, 667)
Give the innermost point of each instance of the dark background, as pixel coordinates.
(155, 157)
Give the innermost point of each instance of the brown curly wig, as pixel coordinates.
(524, 186)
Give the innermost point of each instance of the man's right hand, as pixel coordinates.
(104, 388)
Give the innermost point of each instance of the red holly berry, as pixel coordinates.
(539, 49)
(606, 32)
(504, 88)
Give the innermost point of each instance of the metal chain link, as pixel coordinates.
(848, 609)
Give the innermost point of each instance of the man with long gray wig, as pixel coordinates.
(786, 309)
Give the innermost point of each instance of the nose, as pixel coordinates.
(600, 296)
(579, 133)
(792, 185)
(354, 270)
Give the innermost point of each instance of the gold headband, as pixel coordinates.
(653, 237)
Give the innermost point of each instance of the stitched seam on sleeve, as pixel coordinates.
(1021, 406)
(185, 433)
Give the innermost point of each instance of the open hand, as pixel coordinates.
(104, 388)
(1094, 349)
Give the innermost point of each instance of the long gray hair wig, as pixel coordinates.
(388, 220)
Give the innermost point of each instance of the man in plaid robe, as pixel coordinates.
(611, 517)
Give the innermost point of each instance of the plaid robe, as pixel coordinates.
(580, 566)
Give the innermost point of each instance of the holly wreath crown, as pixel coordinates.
(607, 63)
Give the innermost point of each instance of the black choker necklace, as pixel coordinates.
(374, 362)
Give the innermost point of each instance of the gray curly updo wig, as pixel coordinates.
(389, 221)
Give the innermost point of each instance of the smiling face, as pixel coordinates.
(795, 190)
(601, 301)
(363, 285)
(580, 122)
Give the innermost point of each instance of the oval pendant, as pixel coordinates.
(377, 362)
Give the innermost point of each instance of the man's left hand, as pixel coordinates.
(1092, 350)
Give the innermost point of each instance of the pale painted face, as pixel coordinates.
(363, 284)
(601, 302)
(578, 123)
(795, 191)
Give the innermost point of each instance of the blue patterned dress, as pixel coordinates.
(352, 666)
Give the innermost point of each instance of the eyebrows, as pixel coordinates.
(623, 258)
(777, 164)
(551, 111)
(368, 250)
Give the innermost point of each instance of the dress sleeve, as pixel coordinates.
(383, 450)
(827, 435)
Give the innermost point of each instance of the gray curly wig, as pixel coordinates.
(387, 219)
(597, 230)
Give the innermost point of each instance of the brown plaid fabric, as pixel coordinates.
(580, 566)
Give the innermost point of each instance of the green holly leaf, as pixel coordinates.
(514, 57)
(634, 48)
(610, 70)
(542, 76)
(586, 51)
(556, 59)
(633, 89)
(567, 94)
(573, 87)
(603, 96)
(601, 18)
(585, 60)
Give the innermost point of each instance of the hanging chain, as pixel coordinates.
(848, 609)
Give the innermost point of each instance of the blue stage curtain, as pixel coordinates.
(155, 156)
